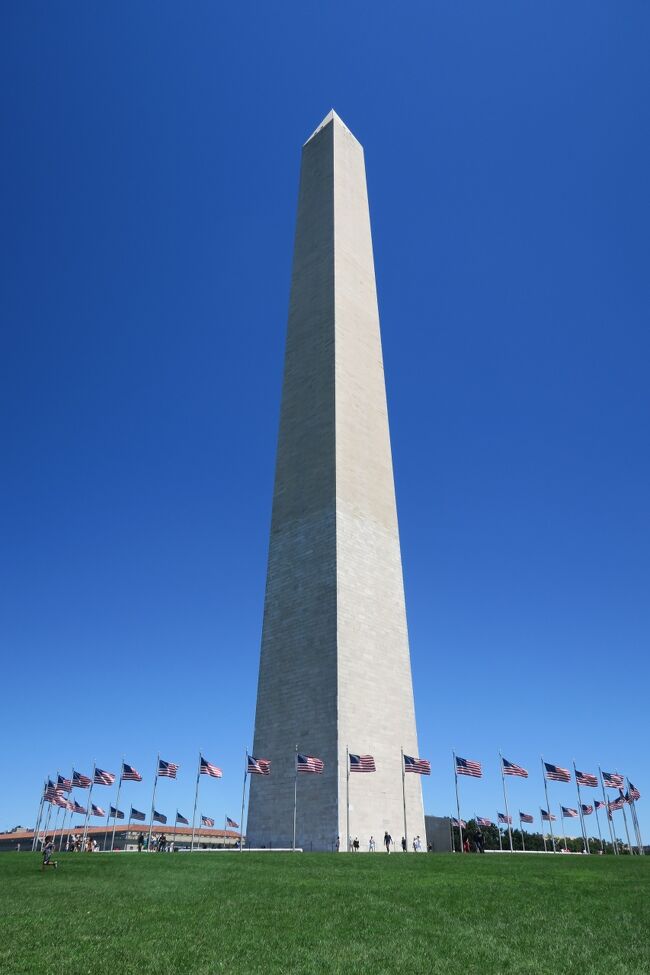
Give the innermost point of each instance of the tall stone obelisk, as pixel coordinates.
(335, 669)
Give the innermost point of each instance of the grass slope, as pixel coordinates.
(322, 913)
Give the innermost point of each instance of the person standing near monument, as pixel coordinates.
(371, 845)
(388, 839)
(403, 844)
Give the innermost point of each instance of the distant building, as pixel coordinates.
(126, 837)
(438, 830)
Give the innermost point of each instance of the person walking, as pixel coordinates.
(48, 850)
(388, 839)
(403, 844)
(371, 845)
(355, 844)
(140, 842)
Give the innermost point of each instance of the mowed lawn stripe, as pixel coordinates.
(156, 914)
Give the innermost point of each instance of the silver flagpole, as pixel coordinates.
(627, 833)
(153, 800)
(600, 835)
(635, 825)
(451, 833)
(608, 813)
(543, 833)
(521, 827)
(565, 847)
(635, 820)
(58, 808)
(347, 798)
(108, 818)
(196, 797)
(39, 816)
(47, 818)
(548, 806)
(404, 800)
(90, 792)
(64, 814)
(460, 827)
(243, 796)
(117, 804)
(582, 819)
(295, 797)
(499, 829)
(505, 799)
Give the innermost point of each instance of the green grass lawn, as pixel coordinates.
(130, 914)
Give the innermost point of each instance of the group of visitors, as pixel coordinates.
(476, 841)
(159, 843)
(354, 846)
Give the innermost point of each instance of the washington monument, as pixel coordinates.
(335, 670)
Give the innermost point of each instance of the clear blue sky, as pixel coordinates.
(148, 195)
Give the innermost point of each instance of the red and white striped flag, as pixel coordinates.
(208, 769)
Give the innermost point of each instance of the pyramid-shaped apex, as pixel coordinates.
(330, 117)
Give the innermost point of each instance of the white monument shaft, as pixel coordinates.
(335, 667)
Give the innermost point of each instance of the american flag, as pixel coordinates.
(258, 766)
(167, 770)
(207, 821)
(526, 817)
(129, 774)
(557, 774)
(464, 766)
(158, 817)
(613, 780)
(505, 819)
(615, 804)
(509, 768)
(51, 792)
(78, 809)
(419, 765)
(569, 813)
(362, 763)
(116, 813)
(587, 810)
(63, 783)
(458, 822)
(208, 769)
(137, 815)
(80, 781)
(60, 800)
(586, 778)
(633, 793)
(483, 821)
(181, 819)
(307, 763)
(96, 810)
(103, 778)
(548, 816)
(599, 805)
(231, 822)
